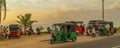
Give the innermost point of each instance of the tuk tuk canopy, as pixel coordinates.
(13, 27)
(67, 27)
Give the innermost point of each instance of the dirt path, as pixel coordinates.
(42, 41)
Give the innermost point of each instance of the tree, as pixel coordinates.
(2, 5)
(25, 21)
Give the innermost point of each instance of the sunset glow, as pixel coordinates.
(53, 11)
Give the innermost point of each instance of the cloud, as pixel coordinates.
(116, 4)
(82, 15)
(41, 4)
(67, 9)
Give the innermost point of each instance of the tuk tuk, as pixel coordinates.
(63, 32)
(14, 31)
(79, 26)
(92, 27)
(94, 22)
(104, 31)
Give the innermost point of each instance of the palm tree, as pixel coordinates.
(25, 21)
(2, 4)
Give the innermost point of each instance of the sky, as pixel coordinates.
(55, 11)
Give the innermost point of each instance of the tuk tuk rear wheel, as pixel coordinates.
(93, 35)
(18, 37)
(87, 33)
(9, 37)
(108, 34)
(52, 41)
(74, 39)
(112, 33)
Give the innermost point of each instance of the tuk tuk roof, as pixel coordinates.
(72, 26)
(106, 22)
(13, 26)
(64, 24)
(74, 21)
(96, 20)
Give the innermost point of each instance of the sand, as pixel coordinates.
(43, 41)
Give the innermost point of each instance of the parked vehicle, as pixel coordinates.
(63, 32)
(14, 31)
(79, 27)
(92, 27)
(94, 22)
(90, 31)
(104, 31)
(101, 27)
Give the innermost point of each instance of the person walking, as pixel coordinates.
(38, 31)
(7, 31)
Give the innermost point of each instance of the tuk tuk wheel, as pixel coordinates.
(74, 39)
(18, 37)
(112, 33)
(93, 35)
(9, 37)
(52, 41)
(78, 34)
(87, 33)
(108, 34)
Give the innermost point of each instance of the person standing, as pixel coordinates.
(1, 32)
(90, 29)
(49, 30)
(7, 30)
(38, 31)
(96, 27)
(31, 30)
(108, 29)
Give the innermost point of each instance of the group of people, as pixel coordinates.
(38, 30)
(30, 31)
(94, 29)
(4, 32)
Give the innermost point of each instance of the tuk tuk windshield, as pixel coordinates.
(13, 27)
(56, 28)
(67, 28)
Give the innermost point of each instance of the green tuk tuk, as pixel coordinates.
(102, 28)
(63, 32)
